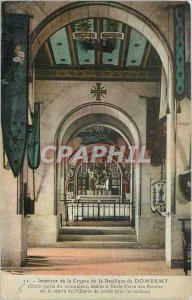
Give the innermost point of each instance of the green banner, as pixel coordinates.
(34, 139)
(179, 45)
(14, 87)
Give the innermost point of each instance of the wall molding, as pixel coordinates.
(102, 75)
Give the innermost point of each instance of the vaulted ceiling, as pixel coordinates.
(105, 45)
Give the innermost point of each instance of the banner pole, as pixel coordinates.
(34, 185)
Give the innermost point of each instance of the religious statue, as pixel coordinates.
(99, 176)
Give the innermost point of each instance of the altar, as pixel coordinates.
(109, 199)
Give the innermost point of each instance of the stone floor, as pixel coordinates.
(68, 261)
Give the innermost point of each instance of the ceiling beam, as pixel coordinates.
(146, 55)
(98, 52)
(124, 46)
(141, 75)
(49, 53)
(72, 46)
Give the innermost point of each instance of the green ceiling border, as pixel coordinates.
(103, 75)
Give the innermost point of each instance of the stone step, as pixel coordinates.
(102, 245)
(100, 238)
(97, 231)
(100, 223)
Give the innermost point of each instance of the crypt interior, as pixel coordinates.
(106, 74)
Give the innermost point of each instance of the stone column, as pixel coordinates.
(170, 167)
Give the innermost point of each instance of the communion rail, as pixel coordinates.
(98, 211)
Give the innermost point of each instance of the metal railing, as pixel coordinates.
(98, 211)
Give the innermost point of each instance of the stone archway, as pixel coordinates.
(125, 126)
(124, 190)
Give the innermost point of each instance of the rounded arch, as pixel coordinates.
(94, 109)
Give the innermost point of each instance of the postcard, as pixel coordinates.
(96, 150)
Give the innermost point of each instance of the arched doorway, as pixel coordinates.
(87, 116)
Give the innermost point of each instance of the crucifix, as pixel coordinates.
(98, 91)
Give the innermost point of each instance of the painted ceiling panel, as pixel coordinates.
(136, 49)
(133, 51)
(113, 57)
(85, 51)
(60, 47)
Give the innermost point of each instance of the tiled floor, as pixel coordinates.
(68, 261)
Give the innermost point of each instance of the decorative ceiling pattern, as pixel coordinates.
(111, 57)
(103, 43)
(85, 49)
